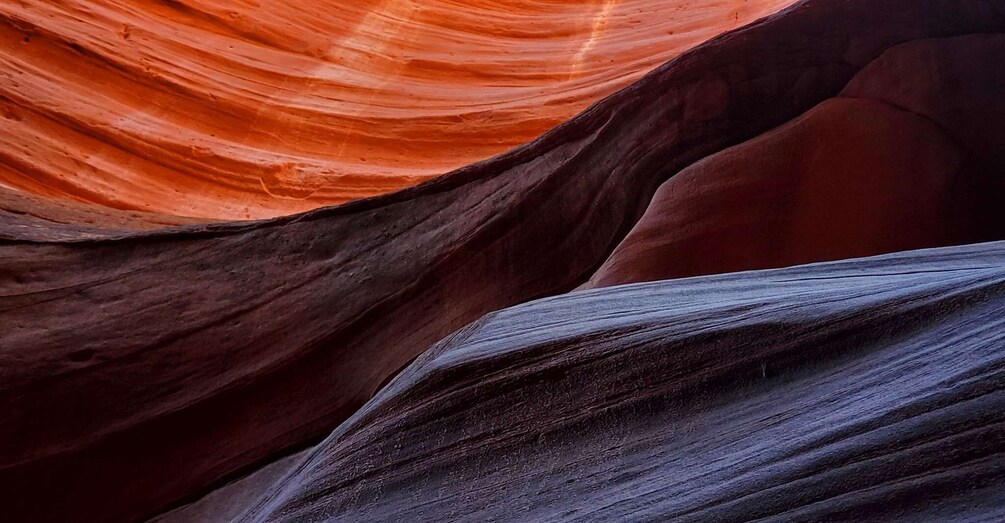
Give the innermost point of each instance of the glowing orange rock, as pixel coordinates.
(235, 110)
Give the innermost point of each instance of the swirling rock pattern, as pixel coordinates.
(253, 109)
(168, 361)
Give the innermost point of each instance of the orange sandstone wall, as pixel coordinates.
(253, 108)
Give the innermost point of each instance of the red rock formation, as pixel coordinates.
(238, 110)
(909, 157)
(165, 362)
(955, 83)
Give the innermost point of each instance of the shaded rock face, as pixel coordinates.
(864, 390)
(956, 83)
(184, 357)
(25, 216)
(236, 110)
(909, 156)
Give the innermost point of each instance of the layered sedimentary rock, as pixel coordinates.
(30, 217)
(183, 357)
(867, 390)
(238, 110)
(909, 156)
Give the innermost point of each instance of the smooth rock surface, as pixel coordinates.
(908, 157)
(955, 82)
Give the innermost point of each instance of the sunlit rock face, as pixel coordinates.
(235, 110)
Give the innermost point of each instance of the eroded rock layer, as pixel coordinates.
(26, 216)
(867, 390)
(237, 110)
(167, 362)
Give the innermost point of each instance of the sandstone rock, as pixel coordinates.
(862, 390)
(907, 158)
(141, 369)
(238, 110)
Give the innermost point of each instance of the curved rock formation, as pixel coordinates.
(865, 390)
(956, 83)
(238, 110)
(909, 157)
(167, 362)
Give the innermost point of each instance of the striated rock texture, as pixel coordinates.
(230, 501)
(29, 217)
(909, 156)
(168, 362)
(251, 109)
(867, 390)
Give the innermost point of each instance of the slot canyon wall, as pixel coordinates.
(379, 351)
(253, 109)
